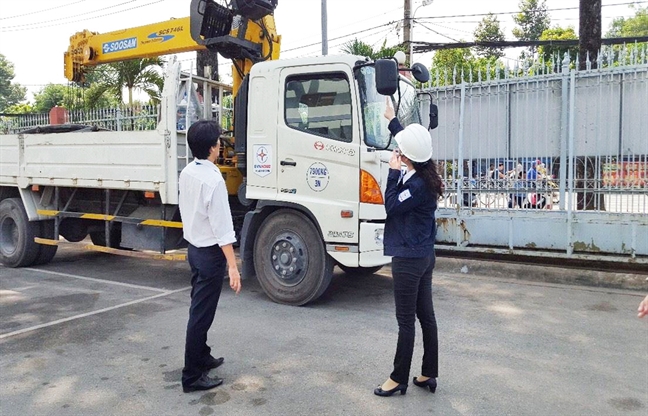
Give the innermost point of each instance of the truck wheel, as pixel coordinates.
(17, 246)
(46, 252)
(360, 271)
(99, 237)
(290, 259)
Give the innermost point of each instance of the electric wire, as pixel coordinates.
(86, 19)
(41, 10)
(69, 17)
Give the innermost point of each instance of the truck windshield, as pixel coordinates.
(373, 108)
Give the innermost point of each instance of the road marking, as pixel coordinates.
(84, 315)
(92, 279)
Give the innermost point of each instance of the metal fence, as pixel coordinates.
(547, 159)
(123, 118)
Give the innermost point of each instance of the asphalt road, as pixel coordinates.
(94, 334)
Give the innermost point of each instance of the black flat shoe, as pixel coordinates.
(203, 383)
(212, 363)
(386, 393)
(430, 382)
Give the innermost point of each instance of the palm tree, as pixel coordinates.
(358, 47)
(133, 74)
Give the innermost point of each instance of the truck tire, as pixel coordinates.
(17, 246)
(46, 252)
(360, 271)
(290, 259)
(99, 237)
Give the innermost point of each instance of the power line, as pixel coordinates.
(70, 17)
(500, 13)
(438, 33)
(86, 19)
(341, 37)
(430, 46)
(41, 10)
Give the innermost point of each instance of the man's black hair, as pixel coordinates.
(202, 136)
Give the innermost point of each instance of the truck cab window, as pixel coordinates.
(320, 105)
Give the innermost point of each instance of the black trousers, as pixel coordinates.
(207, 273)
(413, 296)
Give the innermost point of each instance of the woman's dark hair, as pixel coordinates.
(202, 136)
(430, 175)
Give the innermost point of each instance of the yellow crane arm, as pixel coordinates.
(88, 49)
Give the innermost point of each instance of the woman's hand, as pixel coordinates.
(389, 110)
(395, 161)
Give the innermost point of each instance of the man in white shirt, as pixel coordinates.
(208, 228)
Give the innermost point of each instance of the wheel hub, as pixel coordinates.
(288, 256)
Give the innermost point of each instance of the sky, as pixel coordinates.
(34, 34)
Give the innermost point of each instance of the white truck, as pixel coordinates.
(311, 144)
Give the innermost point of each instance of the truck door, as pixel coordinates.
(318, 148)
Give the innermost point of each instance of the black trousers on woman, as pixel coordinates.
(413, 296)
(207, 275)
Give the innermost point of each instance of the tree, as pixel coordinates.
(532, 21)
(632, 26)
(358, 47)
(558, 52)
(489, 30)
(589, 31)
(53, 95)
(10, 93)
(133, 74)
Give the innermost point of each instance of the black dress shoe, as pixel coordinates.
(212, 363)
(386, 393)
(430, 382)
(203, 383)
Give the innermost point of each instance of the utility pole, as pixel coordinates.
(407, 29)
(589, 32)
(324, 29)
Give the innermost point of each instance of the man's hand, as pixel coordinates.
(389, 110)
(234, 279)
(643, 308)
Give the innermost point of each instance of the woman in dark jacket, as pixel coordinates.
(410, 230)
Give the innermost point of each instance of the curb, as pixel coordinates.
(542, 273)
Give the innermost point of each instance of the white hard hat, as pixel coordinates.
(415, 143)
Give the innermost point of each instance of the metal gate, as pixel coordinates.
(546, 161)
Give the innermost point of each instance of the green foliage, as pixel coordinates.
(451, 66)
(20, 108)
(628, 27)
(532, 20)
(632, 26)
(489, 30)
(53, 95)
(10, 93)
(358, 47)
(558, 33)
(142, 74)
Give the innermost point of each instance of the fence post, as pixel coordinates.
(118, 116)
(58, 115)
(564, 130)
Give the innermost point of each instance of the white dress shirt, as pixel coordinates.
(204, 206)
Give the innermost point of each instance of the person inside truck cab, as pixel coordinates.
(410, 231)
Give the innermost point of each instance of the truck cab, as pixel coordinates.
(316, 155)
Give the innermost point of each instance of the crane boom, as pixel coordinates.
(88, 49)
(244, 33)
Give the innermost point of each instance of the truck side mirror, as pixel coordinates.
(386, 76)
(420, 73)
